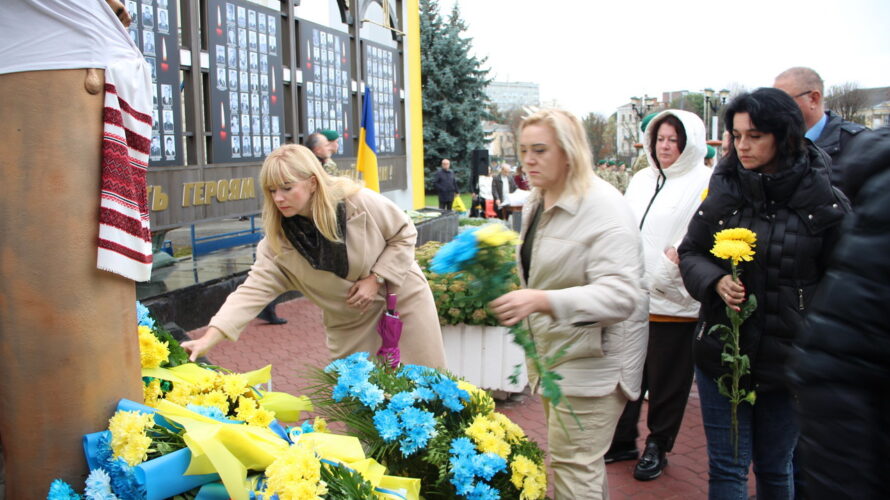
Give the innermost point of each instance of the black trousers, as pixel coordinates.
(667, 376)
(445, 203)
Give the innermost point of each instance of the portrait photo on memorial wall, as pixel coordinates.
(148, 18)
(245, 103)
(230, 14)
(148, 43)
(166, 95)
(221, 78)
(245, 124)
(155, 150)
(235, 126)
(163, 21)
(236, 146)
(232, 60)
(154, 96)
(245, 146)
(242, 37)
(169, 148)
(244, 84)
(242, 17)
(233, 80)
(231, 36)
(168, 121)
(221, 55)
(152, 63)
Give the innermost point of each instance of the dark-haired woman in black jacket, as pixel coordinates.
(775, 183)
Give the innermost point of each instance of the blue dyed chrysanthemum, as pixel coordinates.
(143, 316)
(452, 255)
(98, 486)
(60, 490)
(388, 425)
(208, 411)
(400, 401)
(449, 393)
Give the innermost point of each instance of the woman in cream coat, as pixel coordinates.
(581, 267)
(341, 246)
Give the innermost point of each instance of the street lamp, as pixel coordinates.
(641, 108)
(718, 101)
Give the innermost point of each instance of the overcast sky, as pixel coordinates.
(592, 55)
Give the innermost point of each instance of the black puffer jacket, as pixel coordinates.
(834, 140)
(796, 214)
(841, 367)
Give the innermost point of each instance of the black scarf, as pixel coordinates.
(321, 253)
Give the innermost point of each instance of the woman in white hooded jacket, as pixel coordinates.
(663, 198)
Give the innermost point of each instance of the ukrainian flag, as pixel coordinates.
(366, 163)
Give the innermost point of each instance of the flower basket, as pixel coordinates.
(484, 356)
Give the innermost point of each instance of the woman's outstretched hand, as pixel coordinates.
(513, 307)
(732, 292)
(199, 347)
(362, 293)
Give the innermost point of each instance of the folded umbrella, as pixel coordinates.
(390, 329)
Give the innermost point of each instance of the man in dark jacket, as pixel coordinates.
(842, 362)
(445, 185)
(826, 129)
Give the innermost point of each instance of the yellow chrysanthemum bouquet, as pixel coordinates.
(736, 245)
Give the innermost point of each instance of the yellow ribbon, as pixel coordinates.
(287, 407)
(230, 450)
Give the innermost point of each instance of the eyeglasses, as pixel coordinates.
(803, 94)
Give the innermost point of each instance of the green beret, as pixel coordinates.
(601, 162)
(711, 152)
(330, 134)
(646, 120)
(611, 162)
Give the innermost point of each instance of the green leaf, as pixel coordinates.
(721, 328)
(748, 307)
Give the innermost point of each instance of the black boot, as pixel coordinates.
(652, 464)
(268, 315)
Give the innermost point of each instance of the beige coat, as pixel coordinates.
(587, 253)
(379, 238)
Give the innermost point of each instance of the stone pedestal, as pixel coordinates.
(68, 340)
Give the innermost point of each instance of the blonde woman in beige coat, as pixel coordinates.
(581, 267)
(341, 246)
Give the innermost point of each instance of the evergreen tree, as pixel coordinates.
(454, 99)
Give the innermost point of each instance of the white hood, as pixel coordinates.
(669, 214)
(693, 154)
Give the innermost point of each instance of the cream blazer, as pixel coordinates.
(587, 255)
(380, 238)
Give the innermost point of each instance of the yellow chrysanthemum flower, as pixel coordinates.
(704, 194)
(152, 393)
(152, 351)
(320, 425)
(483, 400)
(216, 399)
(514, 433)
(181, 394)
(495, 235)
(294, 475)
(737, 233)
(735, 244)
(128, 438)
(528, 477)
(234, 385)
(734, 250)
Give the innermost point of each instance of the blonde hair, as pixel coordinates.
(294, 163)
(571, 137)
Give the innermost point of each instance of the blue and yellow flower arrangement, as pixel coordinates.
(427, 424)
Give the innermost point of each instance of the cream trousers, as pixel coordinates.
(576, 455)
